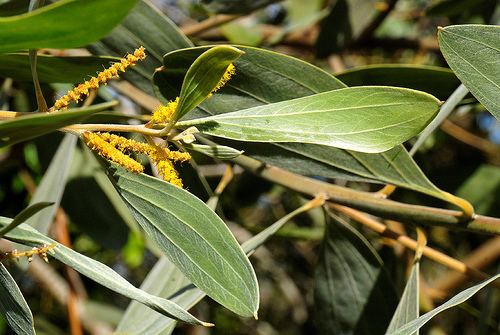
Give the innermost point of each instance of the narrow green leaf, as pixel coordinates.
(254, 84)
(472, 51)
(215, 151)
(438, 81)
(165, 280)
(366, 119)
(13, 306)
(203, 76)
(78, 23)
(353, 293)
(29, 126)
(98, 272)
(51, 188)
(408, 306)
(194, 238)
(24, 215)
(147, 26)
(463, 296)
(52, 69)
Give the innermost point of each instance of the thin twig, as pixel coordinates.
(409, 243)
(487, 254)
(210, 23)
(467, 137)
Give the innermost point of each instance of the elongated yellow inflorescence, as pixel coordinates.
(113, 71)
(108, 151)
(114, 147)
(41, 251)
(163, 114)
(230, 71)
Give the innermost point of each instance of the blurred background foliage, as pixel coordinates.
(362, 42)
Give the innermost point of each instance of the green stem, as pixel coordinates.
(370, 202)
(444, 112)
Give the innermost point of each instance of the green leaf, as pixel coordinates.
(472, 51)
(254, 84)
(438, 81)
(353, 293)
(77, 24)
(51, 188)
(31, 125)
(215, 151)
(463, 296)
(165, 280)
(194, 238)
(24, 215)
(203, 76)
(98, 272)
(13, 306)
(366, 119)
(147, 26)
(408, 306)
(52, 69)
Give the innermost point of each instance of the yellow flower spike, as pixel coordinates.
(102, 78)
(41, 251)
(230, 71)
(167, 171)
(125, 144)
(163, 114)
(108, 151)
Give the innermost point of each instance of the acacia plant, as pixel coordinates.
(278, 117)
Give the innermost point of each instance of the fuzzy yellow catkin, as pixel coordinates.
(230, 71)
(114, 147)
(163, 114)
(108, 151)
(102, 78)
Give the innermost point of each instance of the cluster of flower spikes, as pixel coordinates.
(116, 148)
(102, 77)
(41, 251)
(164, 113)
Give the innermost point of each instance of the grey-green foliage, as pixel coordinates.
(193, 237)
(13, 306)
(368, 119)
(254, 84)
(166, 280)
(473, 51)
(97, 271)
(408, 306)
(353, 293)
(461, 297)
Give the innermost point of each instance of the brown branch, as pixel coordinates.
(409, 243)
(466, 137)
(485, 255)
(370, 202)
(210, 23)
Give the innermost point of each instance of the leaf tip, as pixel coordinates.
(255, 315)
(439, 28)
